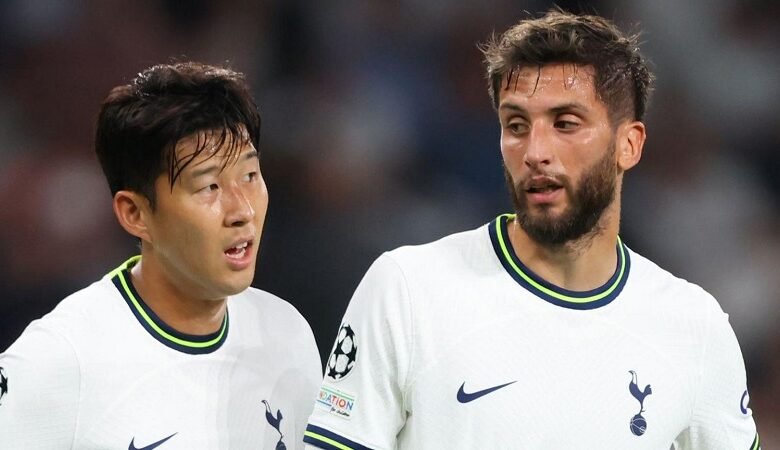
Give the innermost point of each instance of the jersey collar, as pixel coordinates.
(186, 343)
(545, 290)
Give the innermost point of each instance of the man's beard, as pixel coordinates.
(587, 203)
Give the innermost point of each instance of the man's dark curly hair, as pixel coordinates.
(622, 79)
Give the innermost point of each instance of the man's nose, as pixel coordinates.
(238, 209)
(539, 147)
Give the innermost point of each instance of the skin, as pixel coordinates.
(185, 274)
(555, 131)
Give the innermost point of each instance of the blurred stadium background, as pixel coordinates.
(378, 131)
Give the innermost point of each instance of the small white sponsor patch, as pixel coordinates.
(336, 402)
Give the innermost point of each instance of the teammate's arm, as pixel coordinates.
(362, 403)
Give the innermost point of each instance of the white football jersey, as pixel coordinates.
(458, 345)
(102, 371)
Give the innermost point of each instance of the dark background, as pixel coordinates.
(378, 132)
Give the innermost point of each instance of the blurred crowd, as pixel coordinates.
(378, 132)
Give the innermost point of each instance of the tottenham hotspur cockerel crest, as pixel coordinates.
(342, 358)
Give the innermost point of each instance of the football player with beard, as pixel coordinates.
(541, 329)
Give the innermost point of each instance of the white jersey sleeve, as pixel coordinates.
(721, 418)
(40, 386)
(361, 403)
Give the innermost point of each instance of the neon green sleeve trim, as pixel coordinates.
(326, 440)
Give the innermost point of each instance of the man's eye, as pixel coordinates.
(517, 127)
(566, 124)
(211, 188)
(251, 176)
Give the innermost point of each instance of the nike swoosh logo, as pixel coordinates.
(150, 446)
(465, 397)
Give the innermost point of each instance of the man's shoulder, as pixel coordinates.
(659, 283)
(52, 343)
(259, 299)
(454, 249)
(74, 318)
(256, 304)
(84, 303)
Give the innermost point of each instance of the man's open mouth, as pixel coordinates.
(239, 250)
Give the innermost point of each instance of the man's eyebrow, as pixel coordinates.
(566, 107)
(251, 154)
(208, 170)
(512, 107)
(571, 106)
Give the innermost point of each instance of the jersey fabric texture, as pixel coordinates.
(102, 371)
(458, 345)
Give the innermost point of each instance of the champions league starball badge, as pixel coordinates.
(342, 358)
(3, 385)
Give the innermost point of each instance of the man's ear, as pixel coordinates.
(630, 141)
(133, 212)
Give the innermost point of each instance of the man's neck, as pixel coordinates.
(580, 265)
(184, 313)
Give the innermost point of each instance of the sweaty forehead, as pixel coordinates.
(553, 79)
(208, 144)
